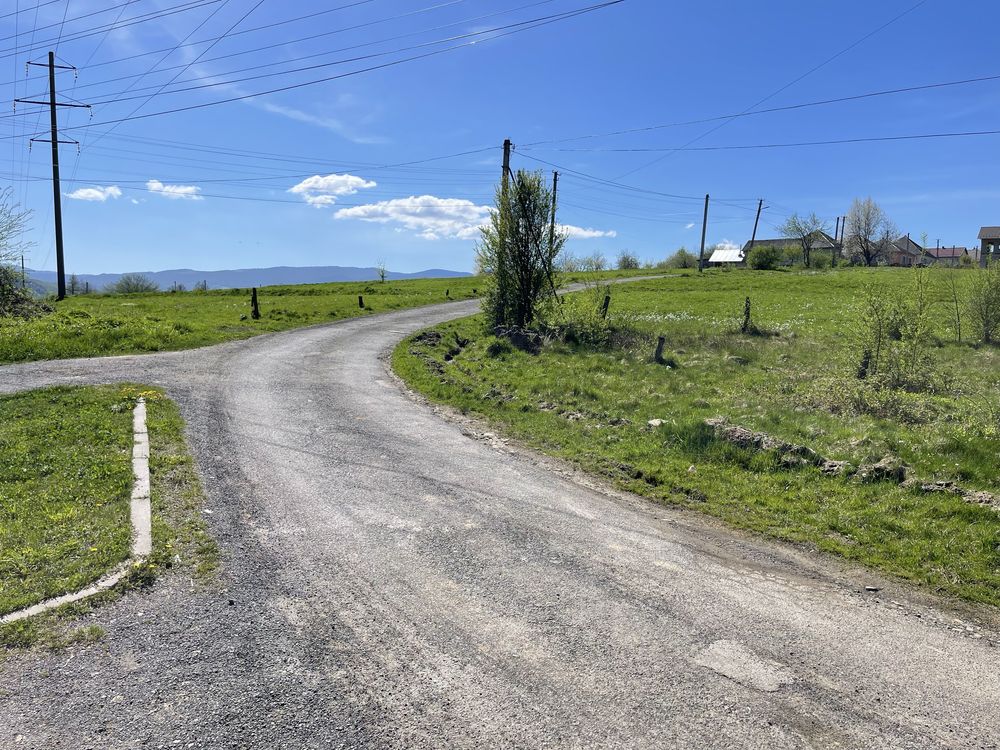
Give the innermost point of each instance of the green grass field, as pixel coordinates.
(65, 483)
(102, 324)
(590, 403)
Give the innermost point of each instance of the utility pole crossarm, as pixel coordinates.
(49, 104)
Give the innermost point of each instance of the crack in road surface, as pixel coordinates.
(389, 582)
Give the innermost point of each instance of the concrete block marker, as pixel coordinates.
(142, 529)
(141, 512)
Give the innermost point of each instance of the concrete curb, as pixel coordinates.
(142, 531)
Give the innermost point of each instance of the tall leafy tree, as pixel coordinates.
(869, 231)
(518, 251)
(807, 230)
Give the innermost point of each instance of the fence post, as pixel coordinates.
(361, 302)
(604, 307)
(254, 307)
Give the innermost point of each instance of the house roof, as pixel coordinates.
(727, 254)
(989, 233)
(905, 245)
(948, 252)
(823, 242)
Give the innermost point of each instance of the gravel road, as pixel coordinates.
(389, 580)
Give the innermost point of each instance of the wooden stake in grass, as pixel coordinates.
(604, 307)
(659, 349)
(746, 316)
(361, 302)
(254, 307)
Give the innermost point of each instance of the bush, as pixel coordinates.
(764, 257)
(15, 301)
(627, 261)
(132, 283)
(984, 303)
(681, 259)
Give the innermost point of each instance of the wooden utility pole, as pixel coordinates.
(552, 223)
(54, 140)
(836, 239)
(753, 237)
(704, 228)
(506, 164)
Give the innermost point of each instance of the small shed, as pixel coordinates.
(727, 254)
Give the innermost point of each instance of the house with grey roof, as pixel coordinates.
(989, 245)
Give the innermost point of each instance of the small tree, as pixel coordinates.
(984, 303)
(519, 252)
(13, 223)
(201, 286)
(764, 257)
(627, 261)
(568, 263)
(594, 262)
(133, 283)
(807, 230)
(382, 269)
(74, 284)
(869, 231)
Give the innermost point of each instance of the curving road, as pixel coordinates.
(390, 581)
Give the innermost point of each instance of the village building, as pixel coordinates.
(789, 246)
(989, 245)
(904, 252)
(949, 256)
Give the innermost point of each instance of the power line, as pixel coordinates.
(216, 83)
(17, 12)
(152, 16)
(771, 110)
(777, 91)
(66, 20)
(299, 39)
(284, 43)
(751, 146)
(146, 100)
(432, 53)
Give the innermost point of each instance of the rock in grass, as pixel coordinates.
(654, 423)
(833, 468)
(889, 469)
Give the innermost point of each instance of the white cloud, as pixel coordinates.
(176, 192)
(689, 226)
(323, 191)
(430, 217)
(580, 233)
(728, 245)
(95, 193)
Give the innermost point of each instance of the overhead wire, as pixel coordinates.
(549, 20)
(786, 86)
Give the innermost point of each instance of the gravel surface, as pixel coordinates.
(388, 580)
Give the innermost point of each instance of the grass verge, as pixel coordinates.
(589, 399)
(65, 484)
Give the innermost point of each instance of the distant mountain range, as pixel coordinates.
(241, 277)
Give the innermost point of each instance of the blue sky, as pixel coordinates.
(315, 175)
